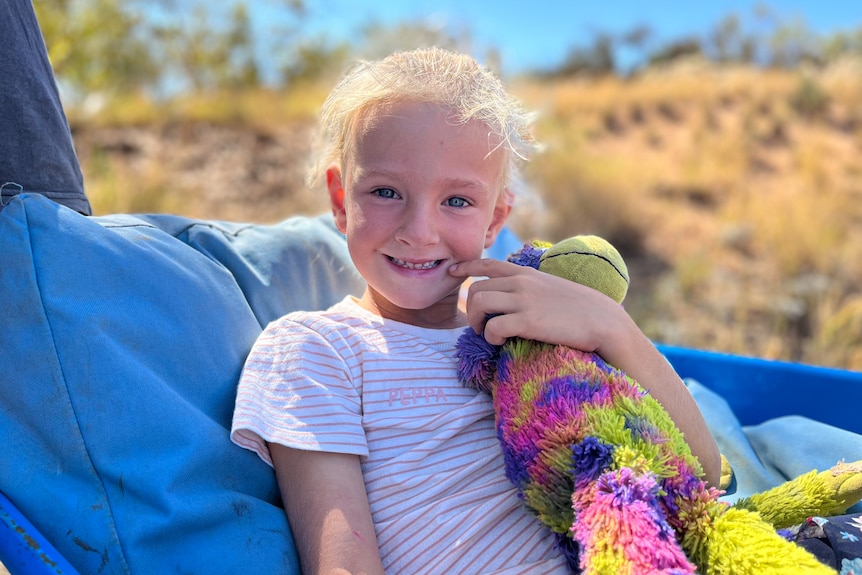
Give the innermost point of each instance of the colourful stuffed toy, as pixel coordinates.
(602, 465)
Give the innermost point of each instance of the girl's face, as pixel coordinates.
(417, 194)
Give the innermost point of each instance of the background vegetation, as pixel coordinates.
(726, 168)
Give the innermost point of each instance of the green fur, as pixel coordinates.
(826, 493)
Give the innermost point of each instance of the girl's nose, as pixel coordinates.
(418, 227)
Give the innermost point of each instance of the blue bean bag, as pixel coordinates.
(122, 341)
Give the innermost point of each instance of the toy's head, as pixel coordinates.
(588, 260)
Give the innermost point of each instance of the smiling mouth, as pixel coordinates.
(412, 266)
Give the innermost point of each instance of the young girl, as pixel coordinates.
(386, 463)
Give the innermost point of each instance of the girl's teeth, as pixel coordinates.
(412, 266)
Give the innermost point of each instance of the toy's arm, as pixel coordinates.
(539, 306)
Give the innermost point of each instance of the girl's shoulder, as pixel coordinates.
(348, 323)
(343, 323)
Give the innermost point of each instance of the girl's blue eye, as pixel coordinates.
(386, 193)
(457, 202)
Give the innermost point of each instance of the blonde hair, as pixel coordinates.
(428, 75)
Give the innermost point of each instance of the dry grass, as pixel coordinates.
(257, 108)
(733, 193)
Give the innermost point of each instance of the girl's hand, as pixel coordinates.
(535, 305)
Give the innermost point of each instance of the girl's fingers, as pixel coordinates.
(486, 267)
(500, 328)
(482, 303)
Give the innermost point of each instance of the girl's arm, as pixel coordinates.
(327, 508)
(548, 308)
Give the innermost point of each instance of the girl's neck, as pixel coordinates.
(445, 314)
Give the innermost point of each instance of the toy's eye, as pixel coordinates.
(386, 193)
(457, 202)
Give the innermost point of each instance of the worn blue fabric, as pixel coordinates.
(36, 152)
(777, 449)
(121, 346)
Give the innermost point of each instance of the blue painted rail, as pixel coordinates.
(760, 389)
(23, 550)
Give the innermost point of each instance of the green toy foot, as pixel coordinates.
(826, 493)
(726, 473)
(846, 481)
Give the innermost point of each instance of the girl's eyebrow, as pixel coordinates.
(470, 183)
(448, 182)
(378, 172)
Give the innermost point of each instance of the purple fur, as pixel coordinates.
(527, 256)
(570, 550)
(590, 458)
(477, 360)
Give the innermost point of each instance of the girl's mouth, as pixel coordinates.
(413, 266)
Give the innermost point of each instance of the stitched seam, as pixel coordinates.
(574, 252)
(113, 523)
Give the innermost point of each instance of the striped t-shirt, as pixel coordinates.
(347, 381)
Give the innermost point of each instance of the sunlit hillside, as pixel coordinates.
(734, 193)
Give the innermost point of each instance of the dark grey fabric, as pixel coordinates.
(36, 151)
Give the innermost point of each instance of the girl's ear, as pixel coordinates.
(336, 197)
(498, 219)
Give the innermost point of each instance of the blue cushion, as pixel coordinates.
(120, 351)
(299, 263)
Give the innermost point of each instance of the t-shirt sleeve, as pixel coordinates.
(298, 389)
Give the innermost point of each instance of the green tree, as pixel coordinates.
(97, 45)
(205, 55)
(311, 59)
(314, 59)
(676, 50)
(378, 40)
(125, 46)
(793, 43)
(729, 43)
(842, 44)
(596, 59)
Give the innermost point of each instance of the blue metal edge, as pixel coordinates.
(23, 549)
(760, 389)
